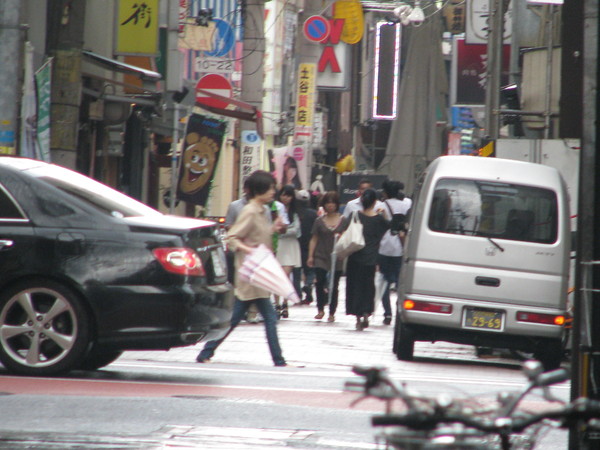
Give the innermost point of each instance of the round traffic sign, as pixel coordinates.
(217, 84)
(223, 40)
(317, 28)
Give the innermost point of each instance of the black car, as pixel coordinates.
(87, 272)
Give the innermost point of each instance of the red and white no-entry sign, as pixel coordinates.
(215, 84)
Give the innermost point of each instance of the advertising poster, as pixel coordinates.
(201, 149)
(290, 166)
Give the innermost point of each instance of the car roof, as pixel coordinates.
(21, 163)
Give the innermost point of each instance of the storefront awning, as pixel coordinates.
(118, 66)
(245, 110)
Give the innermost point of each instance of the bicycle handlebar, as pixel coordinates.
(581, 409)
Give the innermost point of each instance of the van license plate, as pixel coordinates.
(483, 319)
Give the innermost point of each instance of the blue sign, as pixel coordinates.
(223, 40)
(7, 136)
(317, 28)
(250, 137)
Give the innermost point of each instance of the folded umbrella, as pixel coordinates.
(260, 268)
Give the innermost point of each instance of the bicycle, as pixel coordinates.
(464, 423)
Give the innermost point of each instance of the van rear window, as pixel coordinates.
(494, 210)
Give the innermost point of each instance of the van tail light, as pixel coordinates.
(546, 319)
(418, 305)
(182, 261)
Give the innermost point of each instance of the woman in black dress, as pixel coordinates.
(360, 270)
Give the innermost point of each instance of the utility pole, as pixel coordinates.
(253, 13)
(11, 51)
(495, 44)
(64, 42)
(586, 335)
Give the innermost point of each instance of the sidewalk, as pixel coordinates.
(307, 342)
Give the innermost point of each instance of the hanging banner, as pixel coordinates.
(290, 166)
(137, 28)
(202, 145)
(28, 106)
(43, 85)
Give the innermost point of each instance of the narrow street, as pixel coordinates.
(239, 400)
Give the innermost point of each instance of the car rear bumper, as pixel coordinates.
(159, 319)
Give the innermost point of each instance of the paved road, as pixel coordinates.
(238, 390)
(311, 343)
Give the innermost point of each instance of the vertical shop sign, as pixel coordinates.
(305, 102)
(43, 86)
(250, 154)
(137, 27)
(201, 149)
(469, 63)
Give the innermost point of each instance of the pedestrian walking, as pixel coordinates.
(251, 229)
(361, 265)
(304, 277)
(320, 250)
(288, 249)
(389, 259)
(233, 211)
(355, 204)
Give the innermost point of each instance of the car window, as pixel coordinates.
(96, 194)
(495, 210)
(8, 208)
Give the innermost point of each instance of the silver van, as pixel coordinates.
(486, 259)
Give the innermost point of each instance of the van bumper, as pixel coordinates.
(481, 339)
(451, 326)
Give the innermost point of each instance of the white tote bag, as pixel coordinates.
(351, 240)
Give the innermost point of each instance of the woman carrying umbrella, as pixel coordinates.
(320, 255)
(360, 269)
(251, 229)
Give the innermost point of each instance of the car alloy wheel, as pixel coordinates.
(43, 328)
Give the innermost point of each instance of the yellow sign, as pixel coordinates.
(352, 13)
(137, 27)
(305, 95)
(488, 149)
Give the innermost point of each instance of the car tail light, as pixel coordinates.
(547, 319)
(417, 305)
(182, 261)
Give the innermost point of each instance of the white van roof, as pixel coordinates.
(497, 169)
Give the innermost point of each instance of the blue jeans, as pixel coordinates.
(270, 319)
(389, 266)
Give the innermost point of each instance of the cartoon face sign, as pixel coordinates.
(199, 159)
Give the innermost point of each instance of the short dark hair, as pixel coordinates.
(365, 181)
(391, 188)
(330, 197)
(259, 182)
(368, 198)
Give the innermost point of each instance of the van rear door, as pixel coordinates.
(491, 241)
